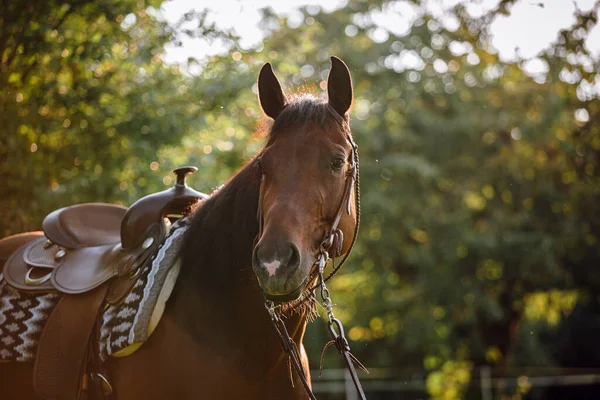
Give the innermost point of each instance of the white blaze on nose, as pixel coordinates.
(272, 267)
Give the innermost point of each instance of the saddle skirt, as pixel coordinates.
(82, 260)
(124, 325)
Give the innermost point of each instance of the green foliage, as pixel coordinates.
(480, 183)
(87, 103)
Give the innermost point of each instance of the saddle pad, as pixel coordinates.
(22, 317)
(127, 325)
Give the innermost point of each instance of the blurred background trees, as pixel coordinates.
(480, 180)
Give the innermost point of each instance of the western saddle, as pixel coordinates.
(92, 253)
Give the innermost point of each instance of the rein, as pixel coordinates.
(332, 242)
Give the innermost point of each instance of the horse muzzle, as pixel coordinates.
(280, 271)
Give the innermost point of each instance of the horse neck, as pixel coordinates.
(217, 298)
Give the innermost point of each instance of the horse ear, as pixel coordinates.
(271, 97)
(339, 86)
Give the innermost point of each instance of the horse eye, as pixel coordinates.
(337, 164)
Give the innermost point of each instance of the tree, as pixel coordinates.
(87, 102)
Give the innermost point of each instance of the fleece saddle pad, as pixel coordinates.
(124, 326)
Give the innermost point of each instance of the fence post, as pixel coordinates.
(349, 386)
(485, 375)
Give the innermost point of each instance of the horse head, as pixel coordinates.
(308, 169)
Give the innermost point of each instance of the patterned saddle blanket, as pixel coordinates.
(124, 327)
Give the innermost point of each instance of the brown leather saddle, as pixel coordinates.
(88, 244)
(92, 254)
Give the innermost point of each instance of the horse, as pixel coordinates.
(256, 239)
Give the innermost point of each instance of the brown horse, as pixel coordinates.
(255, 238)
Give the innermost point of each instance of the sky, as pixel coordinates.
(531, 27)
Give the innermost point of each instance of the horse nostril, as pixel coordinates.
(294, 259)
(255, 259)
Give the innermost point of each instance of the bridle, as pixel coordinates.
(329, 248)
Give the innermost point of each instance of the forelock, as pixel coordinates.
(302, 109)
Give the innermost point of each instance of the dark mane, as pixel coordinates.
(221, 233)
